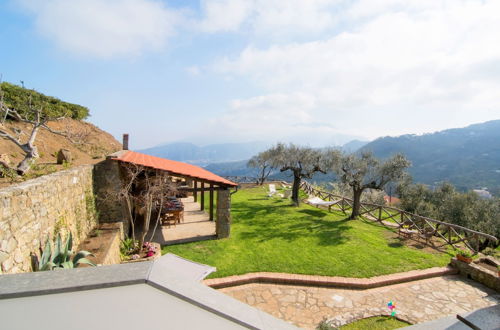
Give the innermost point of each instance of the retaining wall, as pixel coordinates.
(36, 209)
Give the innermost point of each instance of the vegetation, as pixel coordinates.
(34, 109)
(468, 157)
(364, 171)
(376, 323)
(445, 203)
(18, 98)
(269, 234)
(60, 257)
(262, 162)
(302, 162)
(143, 193)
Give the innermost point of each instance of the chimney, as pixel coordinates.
(125, 141)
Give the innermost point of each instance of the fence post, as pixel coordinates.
(380, 213)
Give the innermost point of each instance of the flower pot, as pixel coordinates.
(464, 258)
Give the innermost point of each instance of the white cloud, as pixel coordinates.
(422, 61)
(269, 17)
(275, 117)
(224, 15)
(103, 28)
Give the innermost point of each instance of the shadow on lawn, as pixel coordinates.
(314, 213)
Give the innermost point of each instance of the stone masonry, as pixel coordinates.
(36, 209)
(416, 301)
(223, 223)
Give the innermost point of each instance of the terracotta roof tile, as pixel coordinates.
(173, 167)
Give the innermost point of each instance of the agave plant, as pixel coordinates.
(61, 257)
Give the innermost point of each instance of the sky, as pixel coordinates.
(312, 72)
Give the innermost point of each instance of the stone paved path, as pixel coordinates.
(416, 301)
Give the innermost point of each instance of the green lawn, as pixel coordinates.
(376, 323)
(268, 234)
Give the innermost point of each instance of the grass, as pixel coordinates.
(268, 234)
(376, 323)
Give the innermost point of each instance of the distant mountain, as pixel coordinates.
(468, 157)
(214, 153)
(239, 168)
(354, 145)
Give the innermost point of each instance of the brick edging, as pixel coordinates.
(329, 281)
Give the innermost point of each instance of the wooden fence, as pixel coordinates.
(449, 234)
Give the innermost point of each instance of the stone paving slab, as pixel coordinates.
(416, 301)
(196, 226)
(329, 281)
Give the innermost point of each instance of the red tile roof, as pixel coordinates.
(173, 167)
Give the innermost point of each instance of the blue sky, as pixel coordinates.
(314, 72)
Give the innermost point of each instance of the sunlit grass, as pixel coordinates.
(268, 234)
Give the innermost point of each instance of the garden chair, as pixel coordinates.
(406, 229)
(428, 234)
(168, 219)
(272, 190)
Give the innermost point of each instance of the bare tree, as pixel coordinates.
(303, 162)
(262, 162)
(365, 171)
(143, 193)
(36, 118)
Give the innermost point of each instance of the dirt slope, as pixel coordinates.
(92, 145)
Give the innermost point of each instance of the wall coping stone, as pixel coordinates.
(329, 281)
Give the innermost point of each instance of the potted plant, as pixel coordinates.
(464, 256)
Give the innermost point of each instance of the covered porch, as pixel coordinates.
(195, 226)
(200, 208)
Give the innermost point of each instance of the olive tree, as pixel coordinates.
(262, 162)
(302, 162)
(364, 171)
(37, 117)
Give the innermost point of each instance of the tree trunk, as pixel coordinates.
(356, 203)
(295, 190)
(25, 165)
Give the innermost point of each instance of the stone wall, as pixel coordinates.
(223, 222)
(106, 186)
(477, 273)
(36, 209)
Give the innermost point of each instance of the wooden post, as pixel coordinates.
(211, 202)
(380, 213)
(202, 196)
(195, 191)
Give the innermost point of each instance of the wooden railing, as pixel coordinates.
(450, 234)
(241, 179)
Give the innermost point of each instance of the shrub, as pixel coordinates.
(61, 256)
(18, 98)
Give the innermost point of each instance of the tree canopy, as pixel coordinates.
(302, 162)
(19, 99)
(447, 204)
(262, 162)
(364, 171)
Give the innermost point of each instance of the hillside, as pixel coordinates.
(468, 157)
(88, 143)
(239, 168)
(214, 153)
(96, 145)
